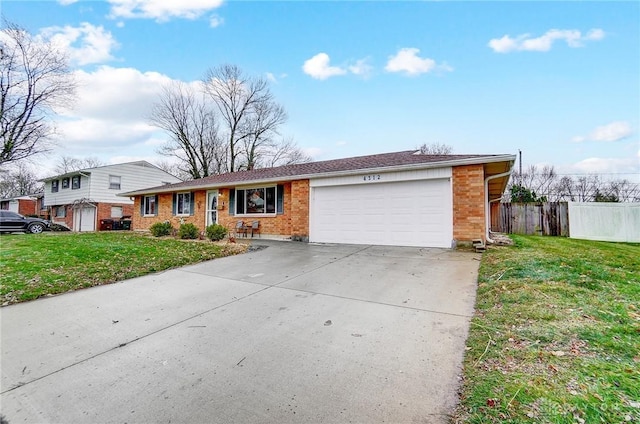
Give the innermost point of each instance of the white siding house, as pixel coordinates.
(81, 199)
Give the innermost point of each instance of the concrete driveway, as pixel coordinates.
(289, 333)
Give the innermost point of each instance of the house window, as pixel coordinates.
(258, 200)
(149, 207)
(183, 204)
(116, 211)
(75, 182)
(65, 183)
(54, 186)
(60, 211)
(114, 182)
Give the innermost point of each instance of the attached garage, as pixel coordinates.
(398, 209)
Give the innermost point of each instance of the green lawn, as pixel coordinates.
(556, 334)
(34, 265)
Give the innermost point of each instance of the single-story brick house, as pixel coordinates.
(402, 198)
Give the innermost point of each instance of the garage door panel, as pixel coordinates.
(408, 213)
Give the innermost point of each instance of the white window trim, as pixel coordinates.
(266, 214)
(111, 184)
(79, 179)
(144, 205)
(188, 213)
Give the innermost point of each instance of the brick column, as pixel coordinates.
(468, 203)
(300, 209)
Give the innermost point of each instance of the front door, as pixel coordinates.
(212, 207)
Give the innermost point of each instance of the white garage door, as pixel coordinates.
(407, 213)
(84, 219)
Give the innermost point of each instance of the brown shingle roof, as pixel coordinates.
(379, 162)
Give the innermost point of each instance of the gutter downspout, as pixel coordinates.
(487, 211)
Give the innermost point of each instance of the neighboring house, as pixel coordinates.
(28, 205)
(402, 198)
(81, 199)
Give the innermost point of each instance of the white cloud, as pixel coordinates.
(111, 114)
(612, 132)
(595, 34)
(271, 77)
(408, 62)
(361, 68)
(525, 42)
(85, 44)
(215, 21)
(67, 2)
(318, 67)
(117, 93)
(607, 166)
(162, 10)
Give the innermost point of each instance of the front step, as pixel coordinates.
(479, 245)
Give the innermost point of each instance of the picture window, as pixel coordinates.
(258, 200)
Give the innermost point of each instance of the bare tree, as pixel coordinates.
(193, 130)
(19, 181)
(564, 190)
(435, 149)
(247, 109)
(286, 152)
(34, 78)
(546, 184)
(235, 130)
(262, 123)
(69, 164)
(172, 168)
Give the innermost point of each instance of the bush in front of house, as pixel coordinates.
(188, 231)
(160, 229)
(216, 232)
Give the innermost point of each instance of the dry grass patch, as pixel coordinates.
(556, 334)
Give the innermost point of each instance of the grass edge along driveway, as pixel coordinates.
(36, 265)
(556, 334)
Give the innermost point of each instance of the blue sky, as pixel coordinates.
(557, 80)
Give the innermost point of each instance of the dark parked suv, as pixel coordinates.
(14, 222)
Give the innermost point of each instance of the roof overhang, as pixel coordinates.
(501, 162)
(496, 186)
(67, 175)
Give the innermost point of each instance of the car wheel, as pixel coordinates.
(36, 228)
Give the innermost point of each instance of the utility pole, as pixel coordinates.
(520, 161)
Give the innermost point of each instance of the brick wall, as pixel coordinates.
(300, 209)
(67, 220)
(104, 211)
(294, 220)
(468, 203)
(279, 225)
(28, 207)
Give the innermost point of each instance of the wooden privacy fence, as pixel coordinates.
(549, 218)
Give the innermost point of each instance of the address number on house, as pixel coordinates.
(375, 177)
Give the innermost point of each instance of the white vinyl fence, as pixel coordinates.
(605, 221)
